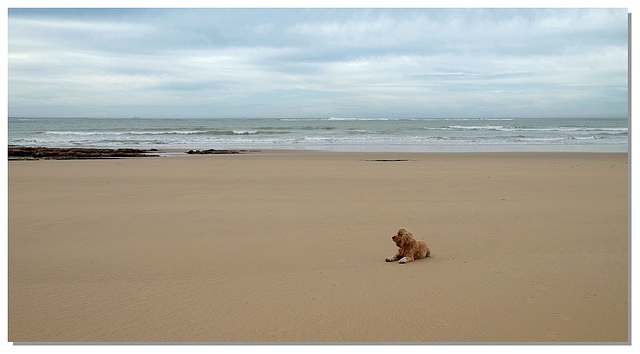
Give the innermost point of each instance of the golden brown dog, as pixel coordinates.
(410, 249)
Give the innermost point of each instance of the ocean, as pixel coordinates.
(333, 134)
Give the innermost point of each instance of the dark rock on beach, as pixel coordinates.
(16, 153)
(214, 151)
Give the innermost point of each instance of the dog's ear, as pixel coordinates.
(406, 234)
(401, 238)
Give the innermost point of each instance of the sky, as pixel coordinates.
(314, 63)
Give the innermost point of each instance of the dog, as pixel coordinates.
(410, 248)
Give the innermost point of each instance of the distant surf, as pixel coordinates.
(334, 133)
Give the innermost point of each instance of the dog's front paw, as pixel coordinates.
(390, 259)
(405, 260)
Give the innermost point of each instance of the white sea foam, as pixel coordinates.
(364, 119)
(335, 133)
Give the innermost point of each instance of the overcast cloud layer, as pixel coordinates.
(318, 62)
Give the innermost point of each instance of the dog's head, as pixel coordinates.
(402, 237)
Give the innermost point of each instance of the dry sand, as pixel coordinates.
(289, 246)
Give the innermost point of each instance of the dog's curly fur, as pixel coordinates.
(410, 248)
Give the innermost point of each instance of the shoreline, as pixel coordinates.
(64, 153)
(289, 246)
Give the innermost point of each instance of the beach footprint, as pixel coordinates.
(563, 317)
(552, 335)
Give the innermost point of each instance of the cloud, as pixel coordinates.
(317, 62)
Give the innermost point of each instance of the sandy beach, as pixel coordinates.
(290, 246)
